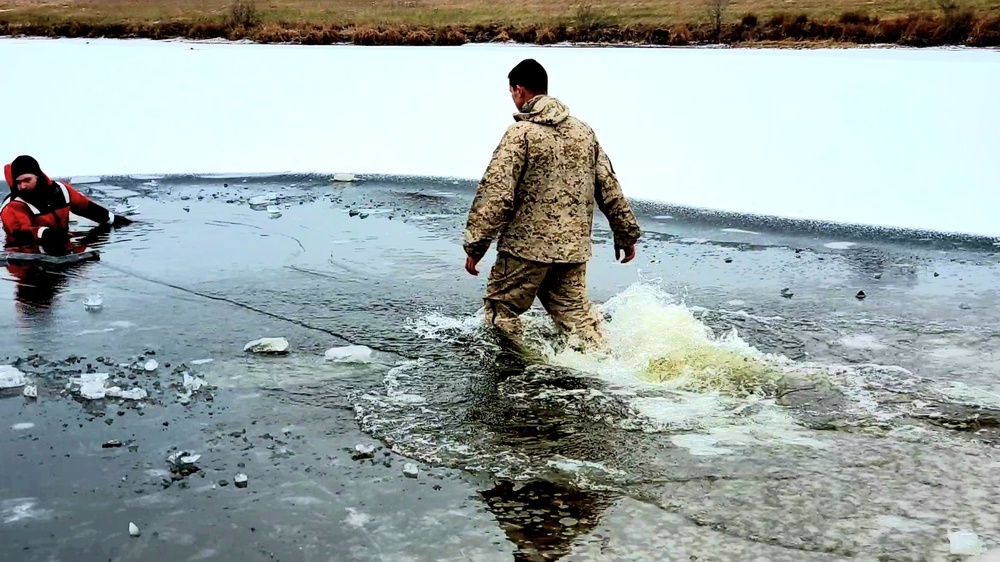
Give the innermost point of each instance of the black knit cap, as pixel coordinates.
(25, 164)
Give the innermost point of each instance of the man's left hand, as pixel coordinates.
(470, 265)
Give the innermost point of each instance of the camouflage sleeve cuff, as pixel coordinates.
(477, 250)
(626, 239)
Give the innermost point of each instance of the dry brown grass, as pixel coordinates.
(453, 22)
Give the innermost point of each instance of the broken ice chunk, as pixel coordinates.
(133, 529)
(134, 394)
(965, 542)
(93, 303)
(410, 470)
(92, 385)
(193, 384)
(342, 177)
(267, 345)
(240, 480)
(151, 365)
(183, 462)
(362, 451)
(30, 391)
(274, 211)
(350, 353)
(11, 377)
(263, 199)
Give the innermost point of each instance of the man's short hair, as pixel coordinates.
(530, 75)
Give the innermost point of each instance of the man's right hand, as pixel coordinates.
(629, 252)
(54, 240)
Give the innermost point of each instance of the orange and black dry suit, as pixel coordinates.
(39, 220)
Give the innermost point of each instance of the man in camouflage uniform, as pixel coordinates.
(538, 195)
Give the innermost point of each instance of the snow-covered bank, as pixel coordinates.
(890, 137)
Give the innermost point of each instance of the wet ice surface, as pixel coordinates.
(827, 428)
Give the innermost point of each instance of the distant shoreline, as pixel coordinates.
(945, 24)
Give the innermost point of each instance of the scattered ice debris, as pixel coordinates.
(362, 451)
(410, 470)
(31, 391)
(349, 353)
(22, 426)
(93, 303)
(133, 529)
(11, 377)
(965, 543)
(267, 345)
(342, 177)
(240, 480)
(92, 385)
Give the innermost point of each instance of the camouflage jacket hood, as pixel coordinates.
(540, 188)
(544, 110)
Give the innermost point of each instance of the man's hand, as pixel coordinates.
(470, 265)
(629, 252)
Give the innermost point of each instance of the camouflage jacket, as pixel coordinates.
(540, 188)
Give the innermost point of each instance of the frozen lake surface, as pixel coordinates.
(896, 137)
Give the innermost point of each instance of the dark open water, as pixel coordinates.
(818, 426)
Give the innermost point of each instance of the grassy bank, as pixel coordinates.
(454, 22)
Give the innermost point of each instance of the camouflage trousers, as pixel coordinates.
(513, 285)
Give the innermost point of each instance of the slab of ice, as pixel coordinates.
(965, 542)
(84, 179)
(201, 361)
(11, 377)
(22, 426)
(991, 556)
(839, 245)
(349, 353)
(342, 177)
(267, 345)
(410, 470)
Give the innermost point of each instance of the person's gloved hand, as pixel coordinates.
(94, 234)
(54, 241)
(121, 221)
